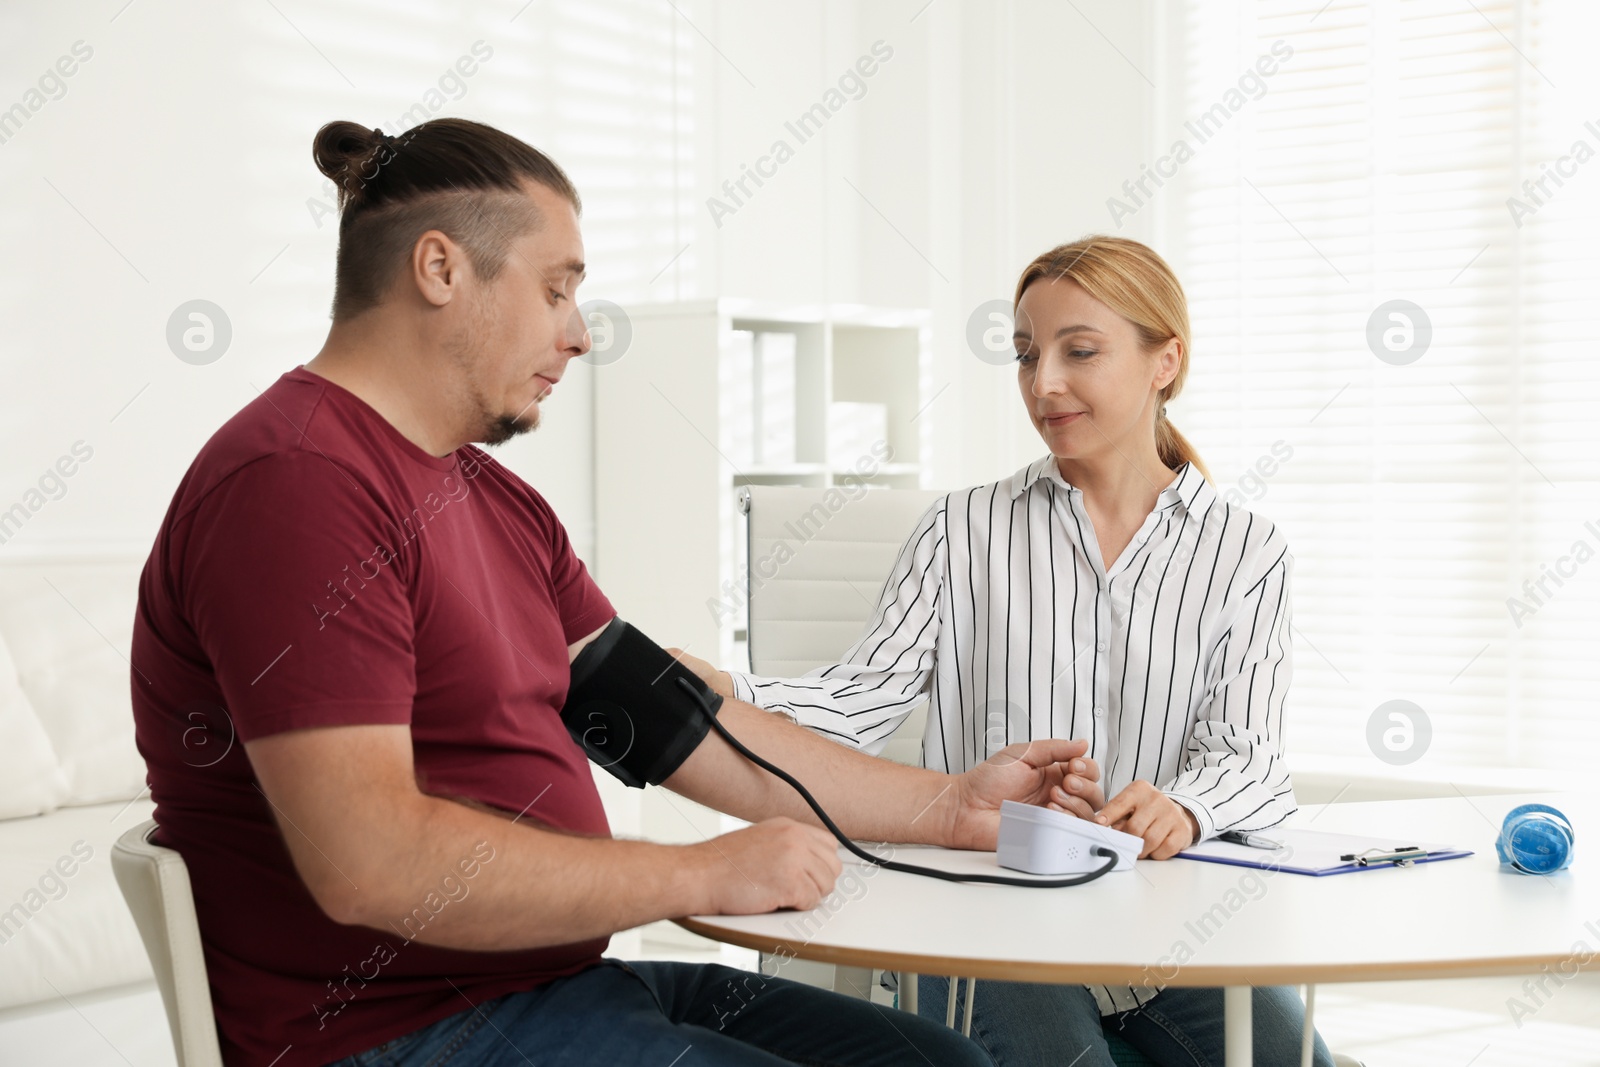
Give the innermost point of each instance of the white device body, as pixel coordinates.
(1042, 841)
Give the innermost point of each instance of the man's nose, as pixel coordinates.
(577, 341)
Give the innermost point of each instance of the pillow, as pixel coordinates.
(31, 782)
(68, 626)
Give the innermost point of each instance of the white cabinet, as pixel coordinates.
(714, 394)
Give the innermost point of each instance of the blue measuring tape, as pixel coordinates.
(1535, 839)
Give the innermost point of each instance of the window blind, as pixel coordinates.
(1442, 510)
(606, 90)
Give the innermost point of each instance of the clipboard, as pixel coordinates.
(1317, 853)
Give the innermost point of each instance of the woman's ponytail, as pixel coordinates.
(1174, 448)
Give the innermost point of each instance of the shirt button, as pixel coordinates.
(1099, 712)
(1101, 647)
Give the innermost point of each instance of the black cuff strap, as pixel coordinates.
(627, 710)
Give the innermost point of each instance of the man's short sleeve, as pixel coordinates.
(581, 604)
(304, 614)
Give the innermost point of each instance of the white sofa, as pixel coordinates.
(71, 781)
(75, 983)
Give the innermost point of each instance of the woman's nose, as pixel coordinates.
(1050, 378)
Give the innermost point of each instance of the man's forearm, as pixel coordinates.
(871, 799)
(547, 888)
(372, 850)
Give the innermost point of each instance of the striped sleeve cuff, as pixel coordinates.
(745, 690)
(1202, 816)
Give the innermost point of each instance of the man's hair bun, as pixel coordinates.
(351, 156)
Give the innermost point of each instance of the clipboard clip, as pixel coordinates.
(1399, 857)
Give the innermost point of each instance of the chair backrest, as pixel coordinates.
(155, 883)
(818, 560)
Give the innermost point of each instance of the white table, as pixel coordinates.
(1454, 918)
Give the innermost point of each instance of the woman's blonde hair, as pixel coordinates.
(1136, 283)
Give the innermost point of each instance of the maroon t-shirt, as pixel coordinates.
(316, 568)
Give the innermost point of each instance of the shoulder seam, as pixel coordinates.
(253, 461)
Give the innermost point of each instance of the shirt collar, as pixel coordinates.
(1188, 487)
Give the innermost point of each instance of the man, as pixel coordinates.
(406, 851)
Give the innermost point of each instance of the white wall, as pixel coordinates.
(176, 166)
(995, 131)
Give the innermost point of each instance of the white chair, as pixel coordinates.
(817, 603)
(155, 883)
(837, 552)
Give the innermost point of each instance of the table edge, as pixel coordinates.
(1068, 973)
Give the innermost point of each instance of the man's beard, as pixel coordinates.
(503, 428)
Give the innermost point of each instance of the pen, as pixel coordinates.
(1403, 856)
(1249, 840)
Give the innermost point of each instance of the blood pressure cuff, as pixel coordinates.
(628, 711)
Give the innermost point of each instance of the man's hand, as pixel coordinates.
(1081, 793)
(1145, 811)
(720, 681)
(1030, 773)
(777, 863)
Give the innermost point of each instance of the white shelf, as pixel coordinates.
(887, 468)
(782, 470)
(669, 452)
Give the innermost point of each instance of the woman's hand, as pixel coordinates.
(721, 682)
(1145, 811)
(1029, 773)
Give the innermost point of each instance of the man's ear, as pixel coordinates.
(438, 267)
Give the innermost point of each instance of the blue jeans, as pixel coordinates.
(679, 1014)
(1028, 1023)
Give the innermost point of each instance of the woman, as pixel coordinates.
(1104, 591)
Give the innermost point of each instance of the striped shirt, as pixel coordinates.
(1172, 663)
